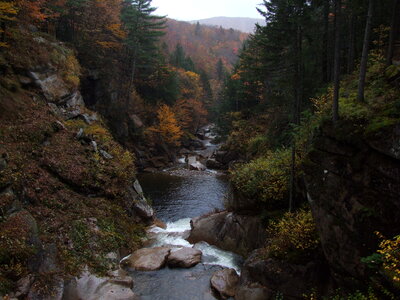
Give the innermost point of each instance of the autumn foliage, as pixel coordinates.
(167, 128)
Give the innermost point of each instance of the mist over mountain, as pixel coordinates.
(242, 24)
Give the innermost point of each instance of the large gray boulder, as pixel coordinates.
(137, 204)
(90, 287)
(147, 259)
(184, 258)
(229, 231)
(225, 283)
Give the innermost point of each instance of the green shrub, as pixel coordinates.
(265, 178)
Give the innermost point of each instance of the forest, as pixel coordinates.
(95, 95)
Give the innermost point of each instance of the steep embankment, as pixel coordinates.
(68, 196)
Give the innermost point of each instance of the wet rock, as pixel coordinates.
(197, 166)
(225, 157)
(225, 283)
(137, 204)
(147, 259)
(160, 224)
(213, 164)
(229, 231)
(91, 287)
(184, 258)
(197, 144)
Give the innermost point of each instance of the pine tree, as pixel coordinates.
(144, 31)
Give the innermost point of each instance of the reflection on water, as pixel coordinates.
(189, 196)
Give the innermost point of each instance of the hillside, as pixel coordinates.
(204, 44)
(241, 24)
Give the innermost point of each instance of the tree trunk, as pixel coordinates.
(325, 47)
(335, 108)
(364, 58)
(394, 28)
(352, 37)
(298, 91)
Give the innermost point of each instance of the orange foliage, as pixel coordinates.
(167, 127)
(31, 11)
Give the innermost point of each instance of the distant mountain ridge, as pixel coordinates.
(242, 24)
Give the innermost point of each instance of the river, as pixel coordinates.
(177, 196)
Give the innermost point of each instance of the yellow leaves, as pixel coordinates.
(390, 251)
(168, 127)
(7, 10)
(117, 31)
(294, 232)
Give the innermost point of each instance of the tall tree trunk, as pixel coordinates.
(364, 58)
(325, 47)
(336, 79)
(394, 28)
(298, 91)
(352, 37)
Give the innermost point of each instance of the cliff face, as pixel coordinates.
(353, 184)
(68, 195)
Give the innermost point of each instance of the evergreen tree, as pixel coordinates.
(144, 31)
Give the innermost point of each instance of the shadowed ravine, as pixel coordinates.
(177, 196)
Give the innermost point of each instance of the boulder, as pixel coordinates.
(105, 154)
(197, 166)
(213, 164)
(225, 157)
(90, 287)
(225, 283)
(229, 231)
(137, 204)
(52, 86)
(136, 121)
(147, 259)
(184, 258)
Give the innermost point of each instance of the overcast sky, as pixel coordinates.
(187, 10)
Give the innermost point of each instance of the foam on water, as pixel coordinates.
(175, 233)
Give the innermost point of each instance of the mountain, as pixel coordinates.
(204, 44)
(241, 24)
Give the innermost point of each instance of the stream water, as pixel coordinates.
(177, 196)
